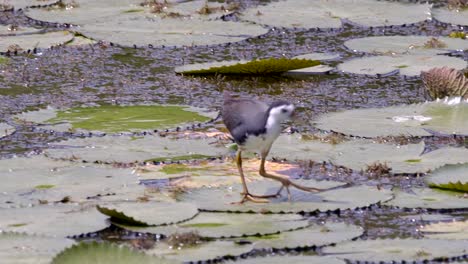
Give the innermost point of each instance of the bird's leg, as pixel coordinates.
(245, 193)
(285, 181)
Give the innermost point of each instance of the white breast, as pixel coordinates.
(263, 142)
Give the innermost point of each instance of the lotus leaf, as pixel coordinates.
(149, 213)
(221, 199)
(59, 220)
(386, 45)
(201, 252)
(314, 235)
(408, 120)
(454, 17)
(6, 130)
(328, 14)
(105, 252)
(398, 250)
(224, 225)
(290, 259)
(410, 65)
(447, 230)
(26, 42)
(27, 249)
(131, 149)
(450, 177)
(428, 198)
(21, 4)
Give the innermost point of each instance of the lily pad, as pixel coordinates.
(428, 198)
(201, 252)
(21, 4)
(22, 248)
(450, 177)
(447, 230)
(410, 65)
(314, 235)
(6, 130)
(328, 14)
(398, 250)
(112, 118)
(14, 29)
(221, 199)
(391, 45)
(105, 252)
(149, 213)
(131, 149)
(254, 67)
(320, 56)
(290, 259)
(44, 180)
(408, 120)
(226, 225)
(296, 147)
(53, 220)
(454, 16)
(22, 43)
(358, 154)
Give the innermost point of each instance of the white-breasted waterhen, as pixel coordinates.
(254, 126)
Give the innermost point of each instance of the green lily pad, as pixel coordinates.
(6, 130)
(358, 154)
(290, 259)
(314, 235)
(54, 220)
(21, 4)
(391, 45)
(398, 250)
(428, 198)
(149, 213)
(30, 41)
(450, 177)
(295, 147)
(224, 225)
(319, 56)
(410, 65)
(44, 180)
(105, 252)
(131, 149)
(454, 16)
(112, 118)
(22, 248)
(14, 29)
(254, 67)
(202, 252)
(221, 199)
(409, 120)
(447, 230)
(328, 14)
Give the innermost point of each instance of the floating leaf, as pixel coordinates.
(447, 230)
(224, 225)
(410, 65)
(296, 147)
(428, 198)
(15, 29)
(328, 14)
(149, 213)
(44, 180)
(408, 120)
(56, 220)
(454, 16)
(104, 252)
(391, 45)
(305, 259)
(398, 250)
(450, 177)
(202, 252)
(22, 248)
(254, 67)
(21, 4)
(131, 149)
(221, 199)
(318, 56)
(314, 235)
(22, 43)
(6, 130)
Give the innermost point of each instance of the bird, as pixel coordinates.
(254, 126)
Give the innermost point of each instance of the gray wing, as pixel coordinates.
(243, 116)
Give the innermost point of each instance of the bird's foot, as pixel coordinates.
(252, 198)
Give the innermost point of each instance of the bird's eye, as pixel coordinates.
(284, 111)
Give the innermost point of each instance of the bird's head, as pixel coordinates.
(281, 111)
